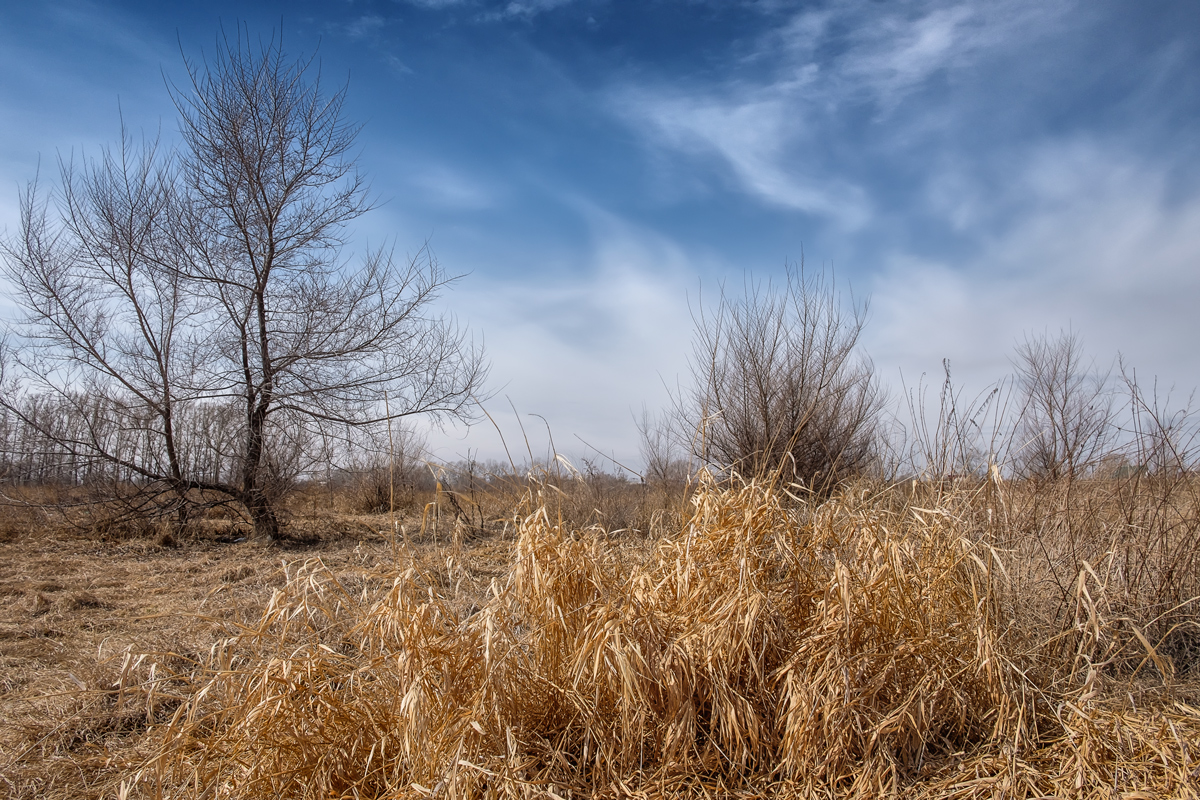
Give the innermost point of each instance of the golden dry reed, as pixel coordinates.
(769, 647)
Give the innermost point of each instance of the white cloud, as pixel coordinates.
(529, 8)
(584, 353)
(511, 9)
(780, 135)
(123, 32)
(891, 53)
(1099, 246)
(364, 26)
(911, 51)
(753, 137)
(436, 3)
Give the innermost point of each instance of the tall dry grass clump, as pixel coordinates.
(768, 646)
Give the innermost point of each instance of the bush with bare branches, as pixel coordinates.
(1066, 419)
(779, 383)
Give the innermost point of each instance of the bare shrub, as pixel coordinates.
(1165, 441)
(779, 384)
(665, 461)
(381, 472)
(1066, 416)
(965, 439)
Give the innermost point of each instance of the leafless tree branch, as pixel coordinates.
(163, 288)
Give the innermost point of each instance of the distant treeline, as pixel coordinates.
(59, 439)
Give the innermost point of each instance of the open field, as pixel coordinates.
(926, 639)
(74, 606)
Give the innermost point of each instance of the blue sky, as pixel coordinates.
(978, 170)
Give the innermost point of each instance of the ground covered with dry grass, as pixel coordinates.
(90, 619)
(911, 640)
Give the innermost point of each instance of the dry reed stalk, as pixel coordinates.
(843, 650)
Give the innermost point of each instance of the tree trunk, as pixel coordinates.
(262, 514)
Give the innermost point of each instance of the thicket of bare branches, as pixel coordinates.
(1066, 419)
(166, 286)
(664, 458)
(957, 436)
(780, 384)
(1057, 419)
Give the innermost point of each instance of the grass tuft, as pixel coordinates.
(767, 646)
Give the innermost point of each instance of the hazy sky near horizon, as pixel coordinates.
(598, 169)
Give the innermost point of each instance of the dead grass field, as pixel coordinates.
(910, 641)
(80, 616)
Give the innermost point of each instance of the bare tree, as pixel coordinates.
(1066, 415)
(660, 451)
(779, 383)
(215, 277)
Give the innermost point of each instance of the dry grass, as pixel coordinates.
(1135, 542)
(83, 621)
(873, 645)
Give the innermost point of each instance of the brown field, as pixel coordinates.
(953, 639)
(76, 607)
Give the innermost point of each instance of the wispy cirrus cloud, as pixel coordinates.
(530, 8)
(884, 53)
(753, 137)
(364, 26)
(451, 188)
(436, 3)
(788, 120)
